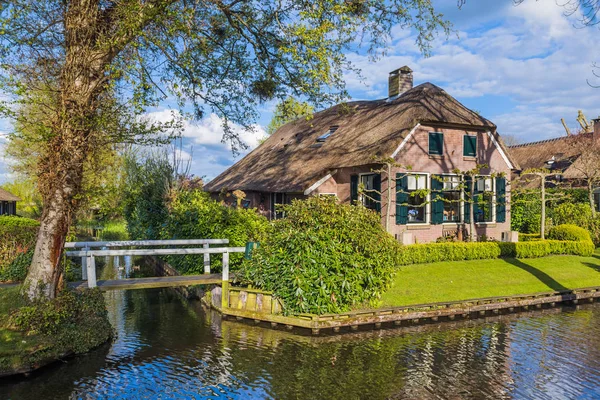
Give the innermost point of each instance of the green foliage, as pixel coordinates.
(324, 257)
(17, 269)
(569, 232)
(8, 222)
(148, 184)
(525, 212)
(289, 110)
(17, 238)
(529, 237)
(194, 215)
(449, 251)
(72, 323)
(114, 230)
(572, 213)
(459, 251)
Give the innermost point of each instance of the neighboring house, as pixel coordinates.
(8, 203)
(334, 153)
(559, 156)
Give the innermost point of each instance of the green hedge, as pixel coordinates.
(458, 251)
(17, 238)
(568, 232)
(529, 237)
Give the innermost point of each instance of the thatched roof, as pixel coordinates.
(291, 159)
(536, 155)
(7, 196)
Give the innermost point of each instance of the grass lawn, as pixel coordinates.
(463, 280)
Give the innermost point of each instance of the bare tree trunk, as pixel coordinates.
(590, 188)
(389, 197)
(543, 222)
(473, 233)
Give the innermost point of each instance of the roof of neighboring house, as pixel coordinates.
(291, 159)
(7, 196)
(536, 154)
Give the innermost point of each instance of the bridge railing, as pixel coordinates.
(88, 255)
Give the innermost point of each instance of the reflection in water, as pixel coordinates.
(169, 348)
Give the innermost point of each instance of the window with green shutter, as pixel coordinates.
(500, 199)
(469, 146)
(353, 189)
(437, 200)
(436, 143)
(401, 199)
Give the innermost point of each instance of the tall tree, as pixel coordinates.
(98, 62)
(289, 110)
(587, 163)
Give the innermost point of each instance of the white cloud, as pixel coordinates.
(531, 55)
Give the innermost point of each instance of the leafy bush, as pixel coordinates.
(194, 215)
(17, 270)
(529, 237)
(568, 232)
(75, 321)
(17, 237)
(571, 213)
(324, 257)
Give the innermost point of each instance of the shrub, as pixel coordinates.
(568, 232)
(194, 215)
(17, 237)
(459, 251)
(76, 322)
(529, 237)
(449, 251)
(324, 257)
(17, 270)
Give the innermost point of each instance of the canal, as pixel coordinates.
(170, 348)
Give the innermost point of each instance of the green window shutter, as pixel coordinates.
(467, 196)
(469, 146)
(436, 143)
(500, 199)
(437, 205)
(401, 199)
(353, 189)
(377, 196)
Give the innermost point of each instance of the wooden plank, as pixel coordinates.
(155, 252)
(154, 282)
(127, 243)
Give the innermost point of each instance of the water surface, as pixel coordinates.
(168, 348)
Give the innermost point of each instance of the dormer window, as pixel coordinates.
(326, 135)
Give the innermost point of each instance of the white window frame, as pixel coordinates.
(360, 195)
(461, 208)
(427, 199)
(493, 221)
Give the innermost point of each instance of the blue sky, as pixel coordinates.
(523, 67)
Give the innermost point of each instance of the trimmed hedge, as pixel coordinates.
(529, 237)
(17, 238)
(568, 232)
(458, 251)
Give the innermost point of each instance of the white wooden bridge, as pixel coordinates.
(88, 251)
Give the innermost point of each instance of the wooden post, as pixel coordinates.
(84, 275)
(91, 271)
(206, 260)
(225, 282)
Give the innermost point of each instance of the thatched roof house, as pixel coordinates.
(8, 203)
(338, 152)
(292, 159)
(561, 154)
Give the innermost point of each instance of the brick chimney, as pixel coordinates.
(596, 129)
(400, 81)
